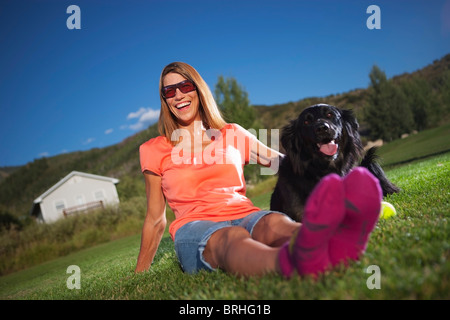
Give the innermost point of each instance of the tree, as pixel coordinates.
(422, 102)
(445, 89)
(234, 103)
(388, 113)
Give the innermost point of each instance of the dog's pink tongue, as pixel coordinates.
(329, 149)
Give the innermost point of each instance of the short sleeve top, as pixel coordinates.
(204, 185)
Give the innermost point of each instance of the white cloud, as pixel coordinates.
(146, 117)
(136, 114)
(137, 126)
(88, 140)
(43, 154)
(108, 131)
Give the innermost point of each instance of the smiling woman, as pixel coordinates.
(203, 100)
(216, 225)
(182, 98)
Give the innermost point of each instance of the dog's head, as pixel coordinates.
(325, 136)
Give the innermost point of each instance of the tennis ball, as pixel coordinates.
(387, 210)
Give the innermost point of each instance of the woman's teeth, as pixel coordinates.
(182, 105)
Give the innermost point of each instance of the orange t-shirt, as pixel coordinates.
(207, 185)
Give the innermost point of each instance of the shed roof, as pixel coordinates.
(70, 175)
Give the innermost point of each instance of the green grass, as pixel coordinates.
(38, 242)
(412, 250)
(416, 146)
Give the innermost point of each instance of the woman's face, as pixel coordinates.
(185, 106)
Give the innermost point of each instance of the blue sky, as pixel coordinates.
(66, 90)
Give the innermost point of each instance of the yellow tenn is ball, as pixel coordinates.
(387, 210)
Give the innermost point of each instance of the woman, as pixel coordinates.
(196, 164)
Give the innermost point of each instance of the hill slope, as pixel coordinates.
(276, 116)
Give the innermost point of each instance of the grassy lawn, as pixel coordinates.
(428, 142)
(411, 250)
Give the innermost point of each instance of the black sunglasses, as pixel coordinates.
(184, 86)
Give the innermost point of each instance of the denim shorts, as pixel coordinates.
(190, 240)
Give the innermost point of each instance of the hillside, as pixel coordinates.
(19, 186)
(6, 171)
(276, 116)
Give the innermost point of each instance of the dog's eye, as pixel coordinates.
(329, 115)
(308, 119)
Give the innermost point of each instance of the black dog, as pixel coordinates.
(322, 140)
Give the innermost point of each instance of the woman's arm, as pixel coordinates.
(265, 156)
(154, 223)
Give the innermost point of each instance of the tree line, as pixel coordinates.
(411, 103)
(393, 107)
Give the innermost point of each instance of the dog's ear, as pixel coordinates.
(292, 144)
(349, 120)
(288, 134)
(353, 143)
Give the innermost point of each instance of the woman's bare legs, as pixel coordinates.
(279, 244)
(275, 229)
(234, 250)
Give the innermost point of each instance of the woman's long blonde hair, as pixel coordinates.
(210, 113)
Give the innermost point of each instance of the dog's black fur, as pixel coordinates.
(322, 140)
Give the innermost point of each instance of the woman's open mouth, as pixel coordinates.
(183, 105)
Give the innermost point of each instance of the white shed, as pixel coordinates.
(76, 192)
